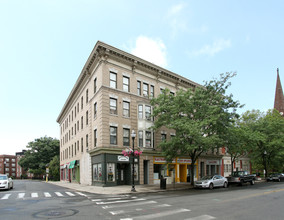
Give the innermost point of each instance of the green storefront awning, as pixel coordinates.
(72, 164)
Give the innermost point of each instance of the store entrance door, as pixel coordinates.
(183, 173)
(121, 173)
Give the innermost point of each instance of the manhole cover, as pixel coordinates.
(55, 213)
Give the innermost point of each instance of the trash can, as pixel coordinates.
(163, 183)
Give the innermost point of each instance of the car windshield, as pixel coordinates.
(3, 177)
(207, 178)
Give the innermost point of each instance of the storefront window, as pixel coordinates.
(97, 172)
(110, 172)
(135, 171)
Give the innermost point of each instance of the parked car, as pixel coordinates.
(241, 177)
(6, 182)
(269, 178)
(278, 177)
(211, 182)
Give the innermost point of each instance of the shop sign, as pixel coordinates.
(162, 160)
(212, 162)
(122, 158)
(184, 160)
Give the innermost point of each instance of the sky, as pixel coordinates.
(44, 45)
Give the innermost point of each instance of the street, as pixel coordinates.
(40, 200)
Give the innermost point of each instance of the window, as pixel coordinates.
(138, 88)
(126, 106)
(72, 115)
(95, 110)
(95, 137)
(113, 104)
(75, 111)
(110, 172)
(87, 96)
(97, 172)
(75, 148)
(95, 85)
(87, 142)
(112, 82)
(113, 135)
(75, 129)
(125, 84)
(126, 135)
(145, 89)
(82, 122)
(148, 112)
(82, 144)
(140, 111)
(152, 91)
(140, 138)
(82, 99)
(72, 150)
(78, 146)
(148, 139)
(87, 117)
(163, 137)
(78, 106)
(78, 125)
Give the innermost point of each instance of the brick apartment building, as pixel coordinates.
(109, 100)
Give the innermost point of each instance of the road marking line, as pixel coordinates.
(21, 195)
(69, 193)
(114, 198)
(96, 200)
(128, 205)
(118, 212)
(81, 194)
(158, 215)
(46, 194)
(58, 194)
(34, 195)
(120, 201)
(201, 217)
(6, 196)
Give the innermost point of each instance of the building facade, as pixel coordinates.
(110, 99)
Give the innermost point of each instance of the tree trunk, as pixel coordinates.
(192, 172)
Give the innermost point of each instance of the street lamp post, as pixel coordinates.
(5, 167)
(133, 135)
(265, 169)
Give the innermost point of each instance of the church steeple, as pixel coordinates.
(279, 97)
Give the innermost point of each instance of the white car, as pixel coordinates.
(211, 182)
(6, 182)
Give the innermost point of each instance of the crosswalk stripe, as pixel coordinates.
(21, 195)
(118, 212)
(118, 201)
(34, 195)
(128, 204)
(81, 194)
(58, 194)
(69, 194)
(202, 217)
(46, 194)
(157, 215)
(6, 196)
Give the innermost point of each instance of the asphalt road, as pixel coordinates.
(40, 200)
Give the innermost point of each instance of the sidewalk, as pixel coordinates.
(124, 189)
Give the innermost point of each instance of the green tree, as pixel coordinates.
(236, 140)
(267, 137)
(198, 117)
(54, 168)
(40, 152)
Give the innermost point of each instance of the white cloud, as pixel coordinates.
(152, 50)
(174, 10)
(176, 19)
(213, 49)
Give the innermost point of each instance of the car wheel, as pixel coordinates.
(278, 180)
(242, 182)
(211, 186)
(225, 185)
(252, 182)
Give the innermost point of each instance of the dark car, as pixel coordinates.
(278, 177)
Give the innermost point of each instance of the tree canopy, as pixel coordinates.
(267, 136)
(199, 117)
(40, 152)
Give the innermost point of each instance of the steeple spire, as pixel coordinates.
(279, 97)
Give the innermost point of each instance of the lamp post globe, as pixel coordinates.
(133, 135)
